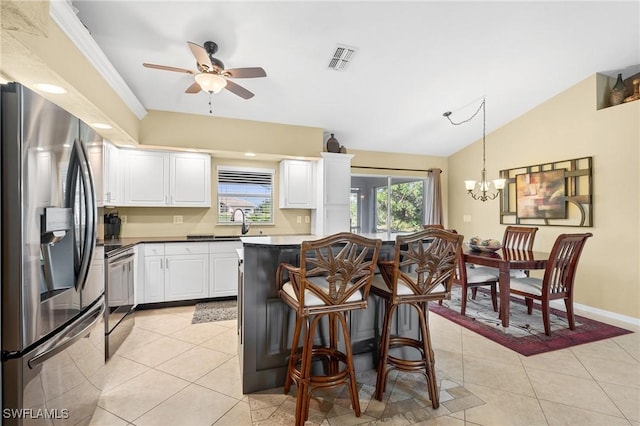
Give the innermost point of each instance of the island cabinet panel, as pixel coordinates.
(268, 323)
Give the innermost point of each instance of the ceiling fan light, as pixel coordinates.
(211, 82)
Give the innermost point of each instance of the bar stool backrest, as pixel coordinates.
(343, 262)
(425, 262)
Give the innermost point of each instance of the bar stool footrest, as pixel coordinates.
(323, 381)
(406, 364)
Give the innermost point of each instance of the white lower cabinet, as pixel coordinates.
(184, 271)
(186, 276)
(153, 287)
(223, 261)
(176, 271)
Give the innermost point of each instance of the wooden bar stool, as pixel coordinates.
(334, 277)
(423, 270)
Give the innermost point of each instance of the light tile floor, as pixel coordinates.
(170, 372)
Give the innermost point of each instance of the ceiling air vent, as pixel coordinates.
(341, 57)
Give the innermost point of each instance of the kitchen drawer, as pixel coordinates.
(186, 248)
(154, 249)
(224, 247)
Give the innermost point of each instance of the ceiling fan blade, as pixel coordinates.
(246, 72)
(238, 90)
(201, 56)
(194, 88)
(166, 68)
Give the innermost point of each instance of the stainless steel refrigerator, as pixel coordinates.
(52, 284)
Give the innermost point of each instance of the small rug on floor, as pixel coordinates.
(215, 311)
(525, 333)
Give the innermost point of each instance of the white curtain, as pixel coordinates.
(433, 199)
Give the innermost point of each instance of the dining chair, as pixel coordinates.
(519, 238)
(558, 280)
(333, 278)
(422, 270)
(471, 277)
(515, 238)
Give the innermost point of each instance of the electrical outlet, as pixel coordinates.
(306, 219)
(123, 219)
(177, 219)
(299, 219)
(466, 218)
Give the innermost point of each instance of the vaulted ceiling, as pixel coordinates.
(413, 61)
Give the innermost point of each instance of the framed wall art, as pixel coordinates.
(558, 193)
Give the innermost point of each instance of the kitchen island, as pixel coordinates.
(266, 324)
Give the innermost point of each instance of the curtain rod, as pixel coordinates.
(390, 168)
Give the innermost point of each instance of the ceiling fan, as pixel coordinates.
(211, 76)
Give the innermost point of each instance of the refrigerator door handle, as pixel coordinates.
(62, 342)
(91, 215)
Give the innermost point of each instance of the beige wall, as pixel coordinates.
(565, 127)
(225, 135)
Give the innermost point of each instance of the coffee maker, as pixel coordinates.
(112, 226)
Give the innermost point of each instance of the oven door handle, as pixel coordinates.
(120, 260)
(63, 341)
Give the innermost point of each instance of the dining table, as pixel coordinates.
(505, 260)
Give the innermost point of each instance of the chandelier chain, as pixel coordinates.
(483, 192)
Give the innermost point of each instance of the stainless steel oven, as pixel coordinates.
(119, 316)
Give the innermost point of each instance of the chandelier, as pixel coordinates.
(483, 190)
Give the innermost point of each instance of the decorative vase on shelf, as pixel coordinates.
(618, 92)
(332, 144)
(636, 91)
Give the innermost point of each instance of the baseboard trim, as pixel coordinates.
(578, 309)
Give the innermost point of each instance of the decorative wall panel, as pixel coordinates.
(529, 200)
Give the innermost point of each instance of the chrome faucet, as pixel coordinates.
(245, 226)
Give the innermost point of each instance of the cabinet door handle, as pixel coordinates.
(167, 263)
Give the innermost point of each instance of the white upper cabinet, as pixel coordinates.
(112, 183)
(107, 173)
(146, 178)
(297, 185)
(159, 178)
(190, 181)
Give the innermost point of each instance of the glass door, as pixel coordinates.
(387, 204)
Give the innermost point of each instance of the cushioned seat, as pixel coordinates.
(403, 290)
(310, 299)
(527, 284)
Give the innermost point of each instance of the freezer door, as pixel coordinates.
(59, 381)
(48, 219)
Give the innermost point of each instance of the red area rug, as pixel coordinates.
(525, 333)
